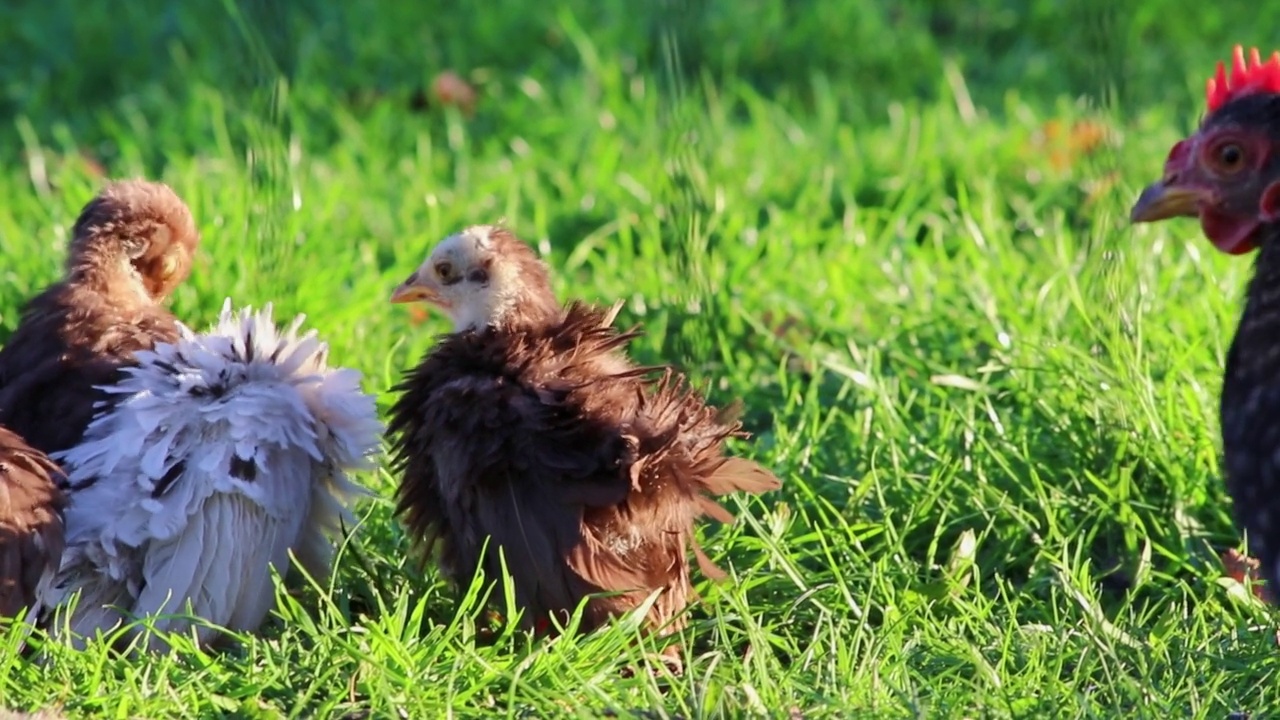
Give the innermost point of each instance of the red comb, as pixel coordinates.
(1245, 79)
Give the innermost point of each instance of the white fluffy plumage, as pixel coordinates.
(226, 451)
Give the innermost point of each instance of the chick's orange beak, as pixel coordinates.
(415, 290)
(1167, 199)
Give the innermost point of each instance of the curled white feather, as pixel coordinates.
(217, 455)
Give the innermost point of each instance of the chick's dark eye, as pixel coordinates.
(444, 270)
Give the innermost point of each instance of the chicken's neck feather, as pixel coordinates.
(1254, 356)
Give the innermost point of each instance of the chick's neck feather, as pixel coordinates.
(531, 310)
(521, 301)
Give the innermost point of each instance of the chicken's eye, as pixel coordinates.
(445, 271)
(1230, 157)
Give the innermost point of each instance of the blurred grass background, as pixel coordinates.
(70, 61)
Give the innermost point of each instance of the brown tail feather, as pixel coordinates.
(740, 474)
(708, 568)
(612, 313)
(715, 510)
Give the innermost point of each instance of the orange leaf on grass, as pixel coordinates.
(1238, 566)
(449, 88)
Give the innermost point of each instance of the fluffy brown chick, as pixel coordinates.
(131, 246)
(529, 429)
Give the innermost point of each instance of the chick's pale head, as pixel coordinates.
(480, 277)
(139, 229)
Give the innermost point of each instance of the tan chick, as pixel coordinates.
(131, 246)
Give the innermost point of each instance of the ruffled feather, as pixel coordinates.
(214, 457)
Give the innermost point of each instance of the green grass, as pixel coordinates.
(992, 402)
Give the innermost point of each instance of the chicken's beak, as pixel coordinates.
(415, 290)
(1165, 199)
